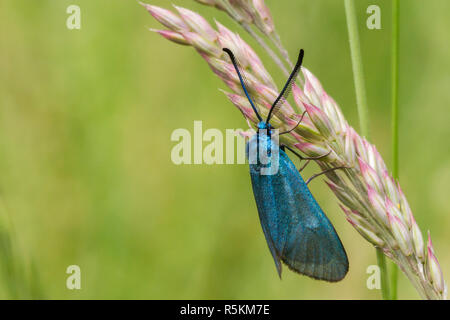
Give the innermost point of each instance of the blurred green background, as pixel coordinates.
(85, 171)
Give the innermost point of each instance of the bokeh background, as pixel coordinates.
(85, 171)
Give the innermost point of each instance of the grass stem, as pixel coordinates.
(363, 112)
(394, 106)
(383, 272)
(358, 73)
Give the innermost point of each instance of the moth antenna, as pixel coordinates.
(287, 87)
(243, 81)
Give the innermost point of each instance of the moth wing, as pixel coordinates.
(268, 215)
(296, 229)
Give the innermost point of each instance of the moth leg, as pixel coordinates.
(298, 123)
(304, 166)
(305, 158)
(325, 171)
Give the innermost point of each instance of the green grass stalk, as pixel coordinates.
(363, 111)
(394, 106)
